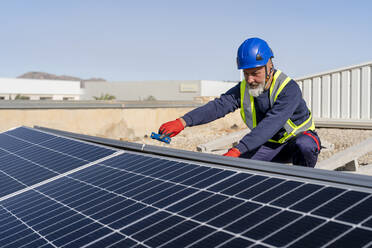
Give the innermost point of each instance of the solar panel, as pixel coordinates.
(134, 199)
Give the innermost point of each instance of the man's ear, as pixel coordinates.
(271, 66)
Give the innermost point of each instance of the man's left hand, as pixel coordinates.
(233, 152)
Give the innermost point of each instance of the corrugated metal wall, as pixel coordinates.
(343, 94)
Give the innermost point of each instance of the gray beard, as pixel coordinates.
(256, 91)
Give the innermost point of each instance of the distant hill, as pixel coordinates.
(49, 76)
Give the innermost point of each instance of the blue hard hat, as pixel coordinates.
(252, 53)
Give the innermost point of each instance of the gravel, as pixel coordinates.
(336, 139)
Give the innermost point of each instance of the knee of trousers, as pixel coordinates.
(306, 146)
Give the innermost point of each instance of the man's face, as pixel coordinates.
(255, 78)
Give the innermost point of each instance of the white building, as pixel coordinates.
(168, 90)
(165, 90)
(39, 89)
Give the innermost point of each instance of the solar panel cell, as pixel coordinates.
(39, 242)
(56, 216)
(24, 171)
(85, 237)
(272, 225)
(146, 184)
(202, 205)
(294, 231)
(98, 207)
(65, 226)
(296, 195)
(127, 161)
(174, 197)
(185, 176)
(179, 206)
(203, 176)
(234, 214)
(31, 135)
(126, 243)
(339, 204)
(32, 208)
(252, 219)
(106, 241)
(243, 185)
(24, 240)
(152, 191)
(212, 241)
(259, 188)
(131, 182)
(39, 210)
(229, 182)
(3, 153)
(163, 169)
(11, 144)
(213, 179)
(133, 213)
(74, 234)
(149, 165)
(8, 185)
(217, 209)
(10, 238)
(356, 238)
(116, 180)
(104, 178)
(144, 223)
(179, 169)
(52, 160)
(368, 223)
(9, 223)
(47, 246)
(189, 237)
(163, 194)
(109, 214)
(153, 230)
(87, 198)
(277, 191)
(358, 213)
(236, 243)
(77, 149)
(11, 230)
(317, 199)
(322, 235)
(171, 233)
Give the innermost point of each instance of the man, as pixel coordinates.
(271, 105)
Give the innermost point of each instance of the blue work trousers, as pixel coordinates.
(301, 150)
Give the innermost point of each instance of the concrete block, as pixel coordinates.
(346, 156)
(223, 143)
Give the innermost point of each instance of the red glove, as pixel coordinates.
(171, 128)
(233, 152)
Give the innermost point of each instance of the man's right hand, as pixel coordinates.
(172, 128)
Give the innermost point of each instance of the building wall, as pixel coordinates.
(37, 89)
(215, 88)
(342, 94)
(140, 90)
(176, 90)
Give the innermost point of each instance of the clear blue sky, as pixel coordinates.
(193, 39)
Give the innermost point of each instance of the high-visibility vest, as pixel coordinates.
(248, 111)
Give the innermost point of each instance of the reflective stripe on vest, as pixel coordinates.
(248, 111)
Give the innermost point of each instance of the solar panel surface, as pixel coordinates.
(28, 157)
(140, 200)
